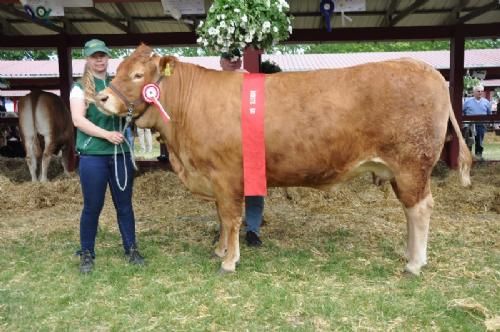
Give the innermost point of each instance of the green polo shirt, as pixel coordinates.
(86, 144)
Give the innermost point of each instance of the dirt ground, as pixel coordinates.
(164, 206)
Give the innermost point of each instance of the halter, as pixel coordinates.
(130, 105)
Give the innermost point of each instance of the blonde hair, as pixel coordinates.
(479, 88)
(88, 85)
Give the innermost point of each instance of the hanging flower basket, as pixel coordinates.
(237, 24)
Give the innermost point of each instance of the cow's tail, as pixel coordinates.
(464, 156)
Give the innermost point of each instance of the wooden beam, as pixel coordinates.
(7, 28)
(106, 18)
(455, 12)
(25, 17)
(95, 1)
(131, 26)
(299, 36)
(48, 83)
(69, 27)
(478, 12)
(457, 51)
(410, 9)
(390, 11)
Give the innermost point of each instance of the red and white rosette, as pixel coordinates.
(151, 94)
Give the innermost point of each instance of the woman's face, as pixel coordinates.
(98, 62)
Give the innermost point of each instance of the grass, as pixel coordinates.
(331, 261)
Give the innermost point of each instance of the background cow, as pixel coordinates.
(46, 129)
(321, 127)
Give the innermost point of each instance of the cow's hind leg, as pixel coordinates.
(417, 201)
(229, 211)
(66, 155)
(46, 157)
(31, 147)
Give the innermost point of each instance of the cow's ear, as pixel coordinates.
(166, 65)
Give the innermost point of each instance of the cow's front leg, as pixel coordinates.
(220, 249)
(229, 210)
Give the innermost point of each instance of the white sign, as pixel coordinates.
(47, 8)
(186, 7)
(350, 5)
(44, 8)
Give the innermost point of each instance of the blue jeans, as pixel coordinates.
(96, 173)
(480, 131)
(254, 208)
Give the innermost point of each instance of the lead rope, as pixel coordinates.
(128, 119)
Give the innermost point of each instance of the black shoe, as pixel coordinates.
(253, 239)
(86, 262)
(134, 257)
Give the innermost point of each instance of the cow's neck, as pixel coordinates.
(178, 91)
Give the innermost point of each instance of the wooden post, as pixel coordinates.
(251, 59)
(65, 83)
(457, 49)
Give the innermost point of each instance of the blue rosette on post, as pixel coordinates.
(326, 8)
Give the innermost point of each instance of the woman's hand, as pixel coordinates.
(115, 137)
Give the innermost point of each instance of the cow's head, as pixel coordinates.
(125, 91)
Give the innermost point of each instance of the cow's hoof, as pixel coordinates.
(412, 269)
(228, 267)
(223, 271)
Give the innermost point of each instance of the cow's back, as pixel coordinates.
(389, 111)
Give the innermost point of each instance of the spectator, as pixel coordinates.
(145, 139)
(477, 105)
(104, 159)
(2, 107)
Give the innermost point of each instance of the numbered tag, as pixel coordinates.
(151, 94)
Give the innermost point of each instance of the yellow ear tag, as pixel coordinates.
(168, 70)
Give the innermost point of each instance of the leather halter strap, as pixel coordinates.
(130, 105)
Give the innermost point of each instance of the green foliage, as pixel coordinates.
(469, 84)
(238, 24)
(495, 95)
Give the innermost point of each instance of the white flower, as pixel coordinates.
(212, 31)
(289, 29)
(199, 40)
(222, 24)
(266, 25)
(244, 18)
(248, 38)
(231, 29)
(200, 24)
(275, 29)
(236, 10)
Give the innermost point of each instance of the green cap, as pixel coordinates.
(95, 45)
(233, 55)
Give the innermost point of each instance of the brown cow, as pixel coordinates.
(321, 127)
(46, 128)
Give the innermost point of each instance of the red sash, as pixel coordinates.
(252, 129)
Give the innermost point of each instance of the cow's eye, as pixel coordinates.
(138, 76)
